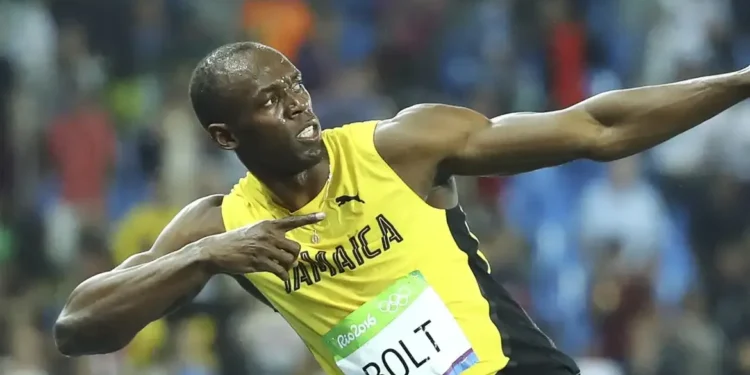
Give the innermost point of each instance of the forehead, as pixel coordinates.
(267, 66)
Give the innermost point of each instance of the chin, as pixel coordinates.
(306, 155)
(316, 154)
(314, 149)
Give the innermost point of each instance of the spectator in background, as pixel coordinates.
(566, 53)
(149, 36)
(626, 209)
(81, 146)
(683, 162)
(731, 308)
(265, 334)
(623, 312)
(181, 145)
(6, 152)
(28, 344)
(718, 222)
(730, 143)
(261, 20)
(6, 266)
(406, 55)
(93, 255)
(195, 354)
(6, 244)
(79, 67)
(27, 339)
(740, 12)
(81, 143)
(140, 227)
(27, 38)
(352, 97)
(685, 32)
(694, 342)
(622, 227)
(216, 21)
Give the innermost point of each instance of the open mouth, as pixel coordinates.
(310, 132)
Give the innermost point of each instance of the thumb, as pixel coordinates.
(292, 222)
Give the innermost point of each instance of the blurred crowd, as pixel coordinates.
(634, 267)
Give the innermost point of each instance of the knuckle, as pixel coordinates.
(287, 259)
(264, 224)
(260, 253)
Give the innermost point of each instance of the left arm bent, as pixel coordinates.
(427, 137)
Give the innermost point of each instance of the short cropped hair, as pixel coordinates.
(210, 84)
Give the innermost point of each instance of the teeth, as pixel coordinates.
(307, 132)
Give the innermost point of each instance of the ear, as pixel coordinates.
(222, 136)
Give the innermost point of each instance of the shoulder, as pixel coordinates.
(355, 138)
(425, 129)
(436, 111)
(355, 130)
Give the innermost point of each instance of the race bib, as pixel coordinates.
(407, 329)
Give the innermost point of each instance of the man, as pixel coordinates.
(354, 235)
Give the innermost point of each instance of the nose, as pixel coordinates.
(297, 104)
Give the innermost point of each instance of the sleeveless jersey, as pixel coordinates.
(387, 284)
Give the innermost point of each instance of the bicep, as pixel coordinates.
(431, 139)
(521, 142)
(137, 260)
(419, 138)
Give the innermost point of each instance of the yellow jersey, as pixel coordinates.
(387, 283)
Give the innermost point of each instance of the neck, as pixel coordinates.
(295, 191)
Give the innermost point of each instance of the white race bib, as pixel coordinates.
(406, 329)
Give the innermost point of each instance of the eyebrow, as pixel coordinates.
(271, 87)
(280, 82)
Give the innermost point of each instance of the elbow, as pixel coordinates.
(74, 339)
(64, 332)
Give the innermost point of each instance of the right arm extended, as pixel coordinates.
(105, 312)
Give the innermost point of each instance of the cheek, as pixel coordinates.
(272, 137)
(306, 98)
(269, 116)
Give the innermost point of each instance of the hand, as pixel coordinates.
(260, 247)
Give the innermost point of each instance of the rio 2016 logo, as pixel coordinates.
(355, 331)
(393, 304)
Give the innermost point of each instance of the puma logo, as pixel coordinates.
(344, 199)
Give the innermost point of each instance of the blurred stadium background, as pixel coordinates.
(636, 267)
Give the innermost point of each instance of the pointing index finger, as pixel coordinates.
(293, 222)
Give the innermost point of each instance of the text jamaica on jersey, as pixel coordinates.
(355, 254)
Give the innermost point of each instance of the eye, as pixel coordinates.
(297, 86)
(271, 101)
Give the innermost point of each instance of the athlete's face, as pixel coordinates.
(275, 127)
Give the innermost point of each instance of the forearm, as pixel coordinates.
(106, 311)
(637, 119)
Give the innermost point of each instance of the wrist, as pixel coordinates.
(200, 255)
(740, 80)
